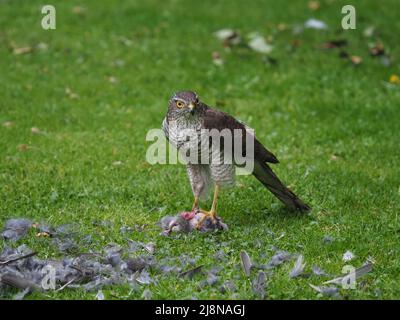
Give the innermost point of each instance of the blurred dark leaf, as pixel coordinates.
(339, 43)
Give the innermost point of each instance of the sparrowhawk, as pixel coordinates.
(187, 113)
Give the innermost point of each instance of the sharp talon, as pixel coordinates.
(211, 215)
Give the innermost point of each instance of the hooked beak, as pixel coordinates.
(191, 107)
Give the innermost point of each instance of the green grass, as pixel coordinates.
(308, 107)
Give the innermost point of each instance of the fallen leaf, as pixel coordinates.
(377, 50)
(112, 79)
(78, 10)
(314, 5)
(42, 46)
(216, 57)
(259, 44)
(23, 147)
(334, 157)
(8, 124)
(294, 44)
(282, 26)
(42, 235)
(229, 37)
(356, 60)
(369, 31)
(22, 50)
(35, 130)
(71, 94)
(339, 43)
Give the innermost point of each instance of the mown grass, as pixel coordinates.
(309, 106)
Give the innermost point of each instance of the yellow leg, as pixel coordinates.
(213, 212)
(195, 203)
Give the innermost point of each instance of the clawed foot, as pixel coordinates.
(207, 214)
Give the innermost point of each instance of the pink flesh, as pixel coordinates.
(188, 215)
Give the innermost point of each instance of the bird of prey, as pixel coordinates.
(187, 113)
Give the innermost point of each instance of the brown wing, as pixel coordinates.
(214, 119)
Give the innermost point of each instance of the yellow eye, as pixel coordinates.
(179, 104)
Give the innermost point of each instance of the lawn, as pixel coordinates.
(92, 88)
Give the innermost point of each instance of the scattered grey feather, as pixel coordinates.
(358, 273)
(16, 280)
(147, 295)
(144, 278)
(278, 258)
(220, 255)
(165, 222)
(169, 269)
(21, 295)
(186, 260)
(126, 229)
(15, 229)
(150, 247)
(327, 291)
(298, 269)
(228, 286)
(259, 284)
(113, 259)
(318, 271)
(66, 230)
(65, 245)
(246, 262)
(328, 239)
(348, 256)
(136, 264)
(212, 279)
(100, 295)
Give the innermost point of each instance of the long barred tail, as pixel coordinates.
(269, 179)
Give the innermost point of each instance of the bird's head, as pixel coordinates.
(184, 103)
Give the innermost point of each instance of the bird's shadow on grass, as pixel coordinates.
(282, 215)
